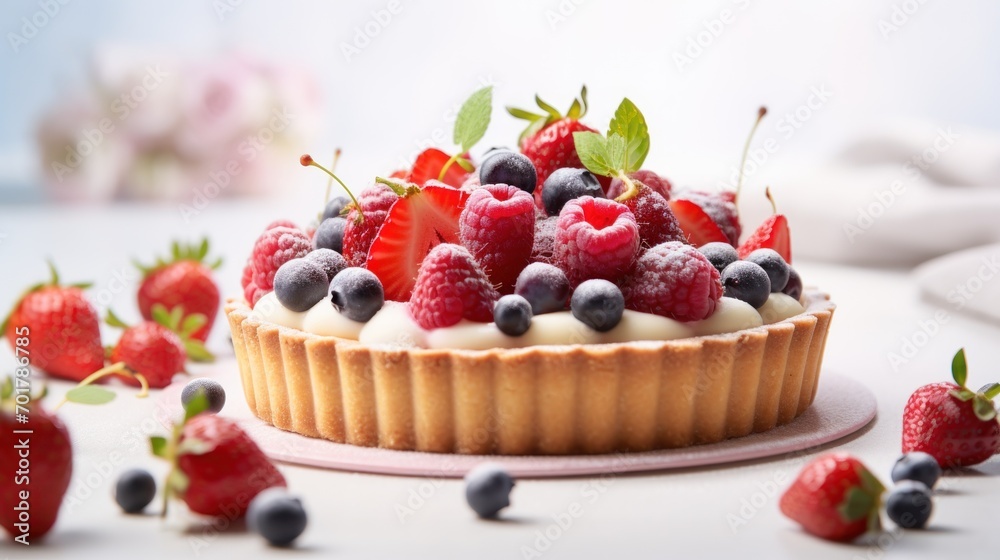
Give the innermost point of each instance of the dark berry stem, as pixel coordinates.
(746, 149)
(308, 161)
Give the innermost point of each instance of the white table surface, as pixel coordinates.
(681, 514)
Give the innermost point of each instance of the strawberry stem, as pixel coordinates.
(308, 161)
(447, 164)
(746, 149)
(118, 368)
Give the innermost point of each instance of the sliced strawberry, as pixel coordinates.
(697, 225)
(772, 234)
(417, 222)
(428, 166)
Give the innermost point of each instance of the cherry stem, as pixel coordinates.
(631, 190)
(447, 164)
(308, 161)
(397, 187)
(116, 368)
(767, 193)
(746, 149)
(329, 182)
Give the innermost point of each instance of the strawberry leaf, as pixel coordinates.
(963, 394)
(197, 352)
(89, 394)
(473, 118)
(631, 125)
(158, 445)
(983, 408)
(177, 481)
(594, 154)
(192, 323)
(160, 314)
(115, 321)
(197, 405)
(856, 505)
(990, 390)
(7, 389)
(959, 369)
(194, 446)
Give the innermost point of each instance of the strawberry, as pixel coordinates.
(419, 220)
(185, 280)
(27, 518)
(649, 178)
(61, 327)
(696, 224)
(428, 166)
(835, 497)
(772, 234)
(950, 422)
(158, 349)
(216, 469)
(450, 287)
(548, 140)
(721, 207)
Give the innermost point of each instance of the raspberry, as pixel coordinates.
(375, 202)
(545, 238)
(659, 184)
(674, 280)
(249, 288)
(451, 287)
(722, 209)
(595, 238)
(274, 248)
(281, 223)
(498, 227)
(657, 223)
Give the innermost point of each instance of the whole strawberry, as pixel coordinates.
(955, 425)
(48, 446)
(184, 280)
(60, 327)
(158, 349)
(835, 497)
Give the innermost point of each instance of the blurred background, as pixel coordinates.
(125, 125)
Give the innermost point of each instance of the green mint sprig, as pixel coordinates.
(470, 126)
(621, 152)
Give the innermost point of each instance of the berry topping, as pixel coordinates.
(335, 207)
(134, 490)
(281, 223)
(657, 223)
(429, 165)
(721, 209)
(512, 315)
(950, 422)
(746, 281)
(153, 348)
(212, 390)
(329, 260)
(183, 280)
(776, 268)
(793, 288)
(357, 294)
(375, 201)
(545, 286)
(300, 284)
(471, 122)
(420, 219)
(566, 184)
(274, 248)
(660, 185)
(699, 227)
(835, 497)
(720, 254)
(909, 505)
(509, 168)
(330, 234)
(674, 280)
(498, 226)
(450, 287)
(277, 516)
(599, 304)
(918, 466)
(772, 234)
(595, 238)
(544, 246)
(487, 489)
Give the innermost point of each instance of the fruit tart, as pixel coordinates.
(556, 299)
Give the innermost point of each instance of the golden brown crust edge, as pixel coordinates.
(544, 400)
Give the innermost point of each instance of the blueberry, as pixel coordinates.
(134, 490)
(746, 281)
(719, 254)
(300, 284)
(329, 260)
(509, 168)
(544, 286)
(598, 304)
(277, 516)
(494, 150)
(335, 207)
(565, 184)
(357, 294)
(776, 268)
(330, 234)
(212, 390)
(918, 466)
(909, 505)
(487, 489)
(793, 288)
(512, 315)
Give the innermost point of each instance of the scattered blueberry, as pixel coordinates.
(213, 391)
(277, 516)
(793, 288)
(329, 260)
(918, 466)
(512, 315)
(135, 490)
(509, 168)
(598, 304)
(720, 254)
(357, 293)
(746, 281)
(330, 234)
(487, 489)
(495, 149)
(565, 184)
(335, 207)
(909, 504)
(545, 286)
(776, 268)
(299, 284)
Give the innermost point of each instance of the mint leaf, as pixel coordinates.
(474, 118)
(158, 445)
(617, 151)
(89, 394)
(629, 123)
(959, 369)
(593, 151)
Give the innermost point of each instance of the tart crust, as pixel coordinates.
(539, 400)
